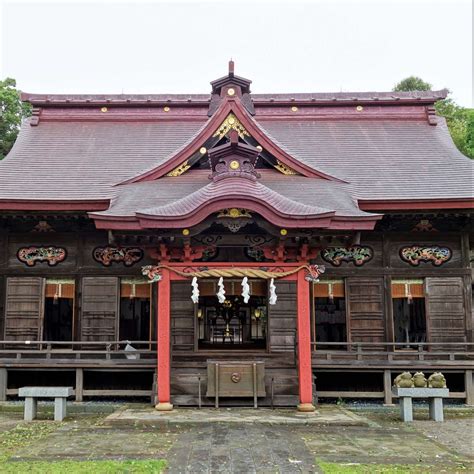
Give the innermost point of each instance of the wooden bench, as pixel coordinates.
(434, 395)
(31, 395)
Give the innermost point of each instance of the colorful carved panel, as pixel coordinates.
(32, 255)
(358, 254)
(435, 254)
(126, 255)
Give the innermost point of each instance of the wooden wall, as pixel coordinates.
(448, 289)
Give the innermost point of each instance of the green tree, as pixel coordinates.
(412, 83)
(12, 112)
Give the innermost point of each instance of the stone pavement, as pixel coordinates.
(325, 415)
(280, 441)
(246, 448)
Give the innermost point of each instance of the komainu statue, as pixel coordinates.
(437, 380)
(404, 380)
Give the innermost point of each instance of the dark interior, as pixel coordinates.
(409, 320)
(134, 319)
(330, 316)
(233, 324)
(58, 317)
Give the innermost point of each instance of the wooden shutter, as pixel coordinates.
(365, 306)
(445, 309)
(282, 318)
(100, 297)
(24, 309)
(182, 316)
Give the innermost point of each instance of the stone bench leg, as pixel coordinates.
(30, 408)
(406, 409)
(436, 409)
(59, 408)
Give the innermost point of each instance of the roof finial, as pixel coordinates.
(231, 67)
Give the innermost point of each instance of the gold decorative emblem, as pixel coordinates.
(231, 91)
(285, 169)
(231, 123)
(185, 231)
(166, 109)
(202, 150)
(294, 109)
(234, 213)
(359, 108)
(283, 231)
(179, 170)
(104, 109)
(234, 165)
(259, 148)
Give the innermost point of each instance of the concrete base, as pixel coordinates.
(406, 409)
(306, 407)
(59, 408)
(436, 409)
(31, 405)
(164, 406)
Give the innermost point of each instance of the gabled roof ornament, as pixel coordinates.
(233, 159)
(231, 86)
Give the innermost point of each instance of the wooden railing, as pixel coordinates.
(77, 350)
(393, 352)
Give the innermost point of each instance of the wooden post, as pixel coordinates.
(305, 374)
(163, 339)
(387, 388)
(3, 384)
(469, 387)
(79, 384)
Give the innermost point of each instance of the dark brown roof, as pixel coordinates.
(159, 99)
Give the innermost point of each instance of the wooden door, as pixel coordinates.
(365, 309)
(182, 316)
(282, 318)
(24, 309)
(446, 312)
(99, 309)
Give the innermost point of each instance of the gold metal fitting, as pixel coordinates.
(202, 150)
(283, 231)
(359, 108)
(104, 109)
(166, 109)
(294, 109)
(231, 91)
(185, 231)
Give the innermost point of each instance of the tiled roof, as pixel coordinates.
(381, 159)
(293, 195)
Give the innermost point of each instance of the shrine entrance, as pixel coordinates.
(233, 324)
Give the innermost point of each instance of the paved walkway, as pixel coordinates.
(242, 449)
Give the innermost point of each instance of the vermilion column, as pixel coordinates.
(305, 374)
(163, 339)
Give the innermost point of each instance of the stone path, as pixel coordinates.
(242, 449)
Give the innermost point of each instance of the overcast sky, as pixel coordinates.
(180, 46)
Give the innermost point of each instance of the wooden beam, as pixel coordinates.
(79, 384)
(3, 384)
(387, 387)
(469, 387)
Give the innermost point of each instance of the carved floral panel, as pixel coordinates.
(110, 254)
(435, 254)
(358, 254)
(30, 256)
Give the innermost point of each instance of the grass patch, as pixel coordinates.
(353, 468)
(84, 467)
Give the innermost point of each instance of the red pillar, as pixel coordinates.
(305, 374)
(163, 340)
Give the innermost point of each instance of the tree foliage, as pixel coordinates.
(412, 83)
(459, 119)
(12, 112)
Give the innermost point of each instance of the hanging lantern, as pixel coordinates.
(221, 293)
(245, 290)
(195, 293)
(273, 296)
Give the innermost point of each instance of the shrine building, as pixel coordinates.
(235, 248)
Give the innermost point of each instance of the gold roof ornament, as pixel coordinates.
(231, 123)
(285, 169)
(234, 213)
(179, 170)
